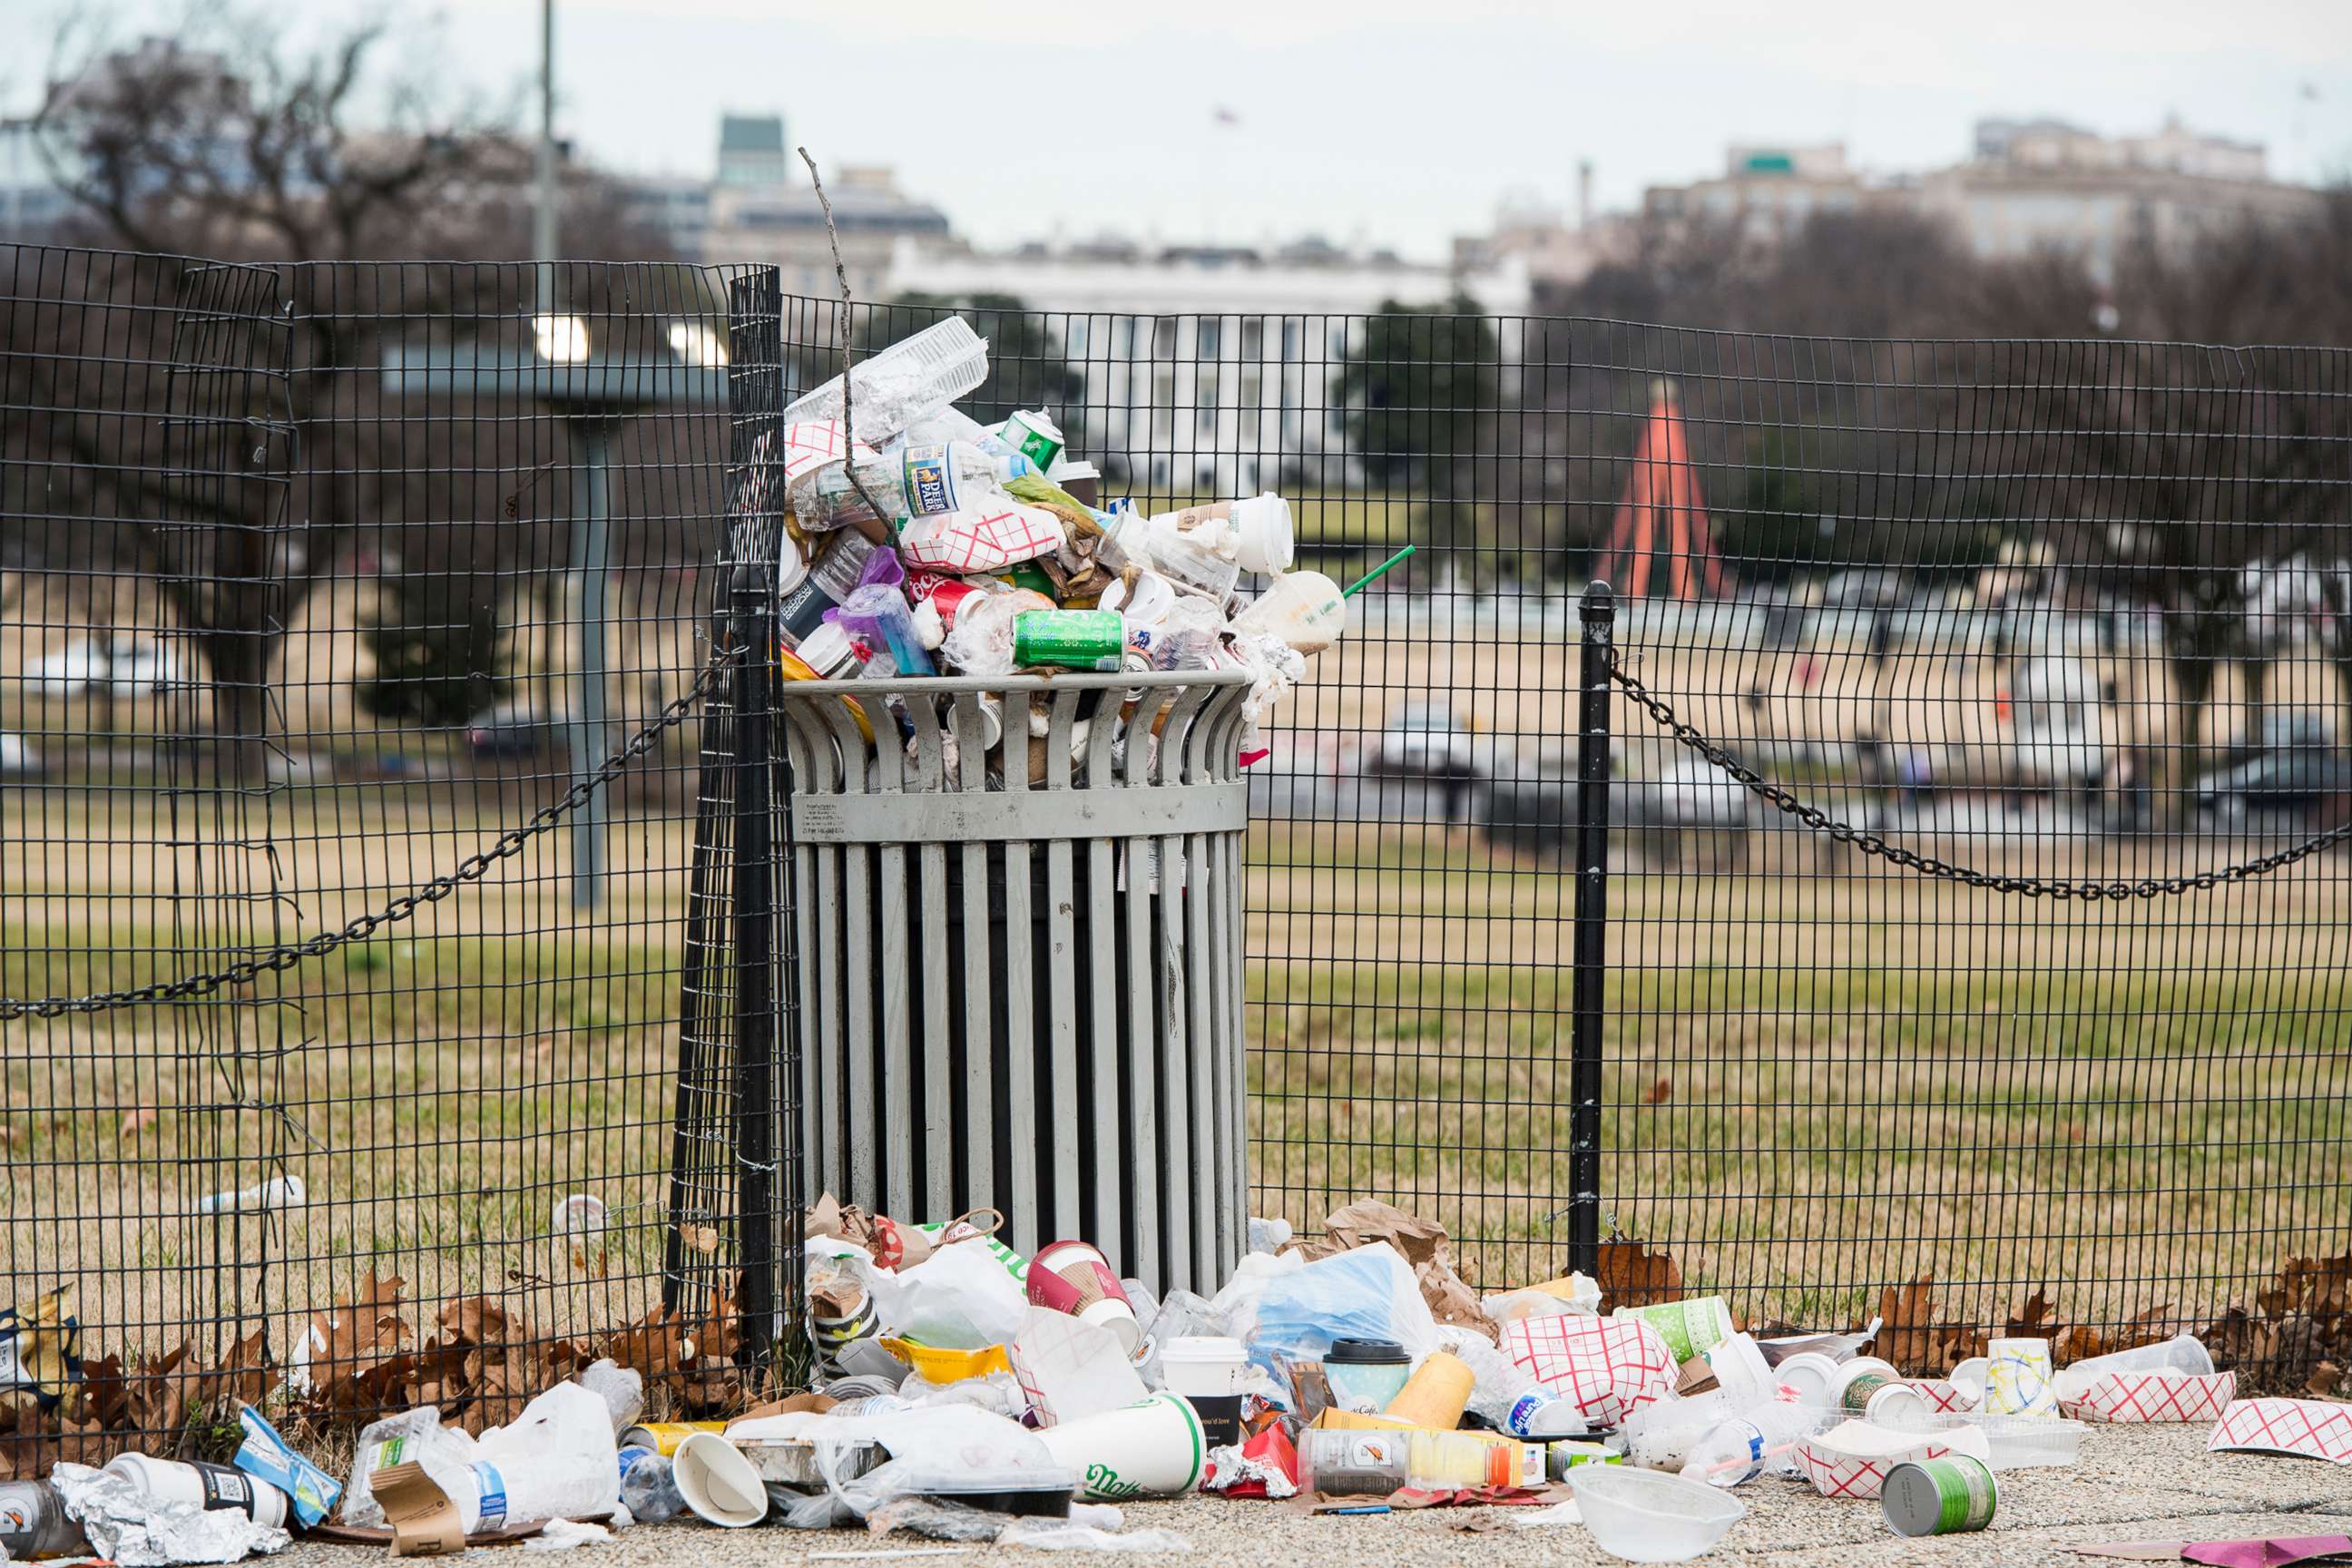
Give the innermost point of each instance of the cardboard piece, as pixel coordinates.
(1697, 1377)
(422, 1521)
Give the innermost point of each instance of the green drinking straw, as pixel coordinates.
(1375, 573)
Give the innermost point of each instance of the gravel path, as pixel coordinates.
(2146, 1483)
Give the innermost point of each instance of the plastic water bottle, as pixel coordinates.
(1741, 1449)
(649, 1490)
(914, 482)
(1509, 1398)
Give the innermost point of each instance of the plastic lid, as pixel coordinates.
(1366, 1352)
(1072, 469)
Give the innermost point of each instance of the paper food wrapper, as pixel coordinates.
(1853, 1460)
(128, 1526)
(2135, 1397)
(1606, 1367)
(422, 1521)
(1944, 1396)
(2314, 1428)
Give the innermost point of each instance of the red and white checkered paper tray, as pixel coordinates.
(1606, 1367)
(813, 444)
(2133, 1397)
(1852, 1460)
(1944, 1396)
(2314, 1428)
(980, 538)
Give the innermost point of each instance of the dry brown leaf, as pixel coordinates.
(1907, 1314)
(2032, 1320)
(2323, 1379)
(135, 1121)
(1632, 1276)
(703, 1238)
(1659, 1092)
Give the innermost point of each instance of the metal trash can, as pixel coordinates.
(1020, 988)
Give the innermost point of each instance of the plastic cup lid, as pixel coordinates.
(1367, 1352)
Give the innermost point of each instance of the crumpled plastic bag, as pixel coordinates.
(555, 1460)
(960, 1297)
(1368, 1293)
(130, 1526)
(1423, 1243)
(1061, 1535)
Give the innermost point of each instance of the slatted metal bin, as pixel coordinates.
(1019, 986)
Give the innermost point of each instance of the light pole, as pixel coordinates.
(543, 240)
(591, 393)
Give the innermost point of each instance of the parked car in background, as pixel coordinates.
(517, 728)
(1434, 744)
(2300, 781)
(19, 759)
(122, 667)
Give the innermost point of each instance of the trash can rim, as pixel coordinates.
(1013, 684)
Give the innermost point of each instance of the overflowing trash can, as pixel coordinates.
(1016, 921)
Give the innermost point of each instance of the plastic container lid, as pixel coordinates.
(1648, 1516)
(1813, 1375)
(1366, 1352)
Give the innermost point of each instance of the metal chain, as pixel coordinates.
(472, 868)
(1870, 843)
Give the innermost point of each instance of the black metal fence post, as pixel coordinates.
(754, 306)
(1589, 974)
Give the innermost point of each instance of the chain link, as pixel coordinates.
(472, 868)
(1870, 843)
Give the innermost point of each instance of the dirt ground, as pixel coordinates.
(2145, 1483)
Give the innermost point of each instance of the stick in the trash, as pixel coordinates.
(841, 271)
(1374, 574)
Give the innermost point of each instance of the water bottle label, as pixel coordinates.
(492, 1486)
(930, 481)
(1523, 1413)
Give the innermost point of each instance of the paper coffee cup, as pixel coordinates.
(1267, 539)
(1155, 1448)
(2021, 1381)
(718, 1482)
(1074, 1277)
(1690, 1327)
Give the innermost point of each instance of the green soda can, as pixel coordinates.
(1071, 639)
(1939, 1496)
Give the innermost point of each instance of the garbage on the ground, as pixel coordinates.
(34, 1523)
(718, 1482)
(143, 1512)
(267, 1456)
(1607, 1368)
(2256, 1552)
(1939, 1497)
(557, 1459)
(1364, 1374)
(1210, 1371)
(1646, 1516)
(278, 1192)
(1075, 1278)
(41, 1350)
(2307, 1429)
(1264, 1466)
(2023, 1382)
(1835, 1347)
(1069, 1368)
(2013, 1442)
(1422, 1244)
(661, 1436)
(1851, 1460)
(2135, 1397)
(1151, 1448)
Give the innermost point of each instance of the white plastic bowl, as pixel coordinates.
(1648, 1516)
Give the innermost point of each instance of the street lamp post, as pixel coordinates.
(592, 394)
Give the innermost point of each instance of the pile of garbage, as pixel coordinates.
(965, 1392)
(925, 544)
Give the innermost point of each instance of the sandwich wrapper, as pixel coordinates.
(266, 1456)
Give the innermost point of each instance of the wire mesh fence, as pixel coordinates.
(308, 572)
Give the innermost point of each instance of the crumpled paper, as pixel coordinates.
(890, 1244)
(563, 1534)
(138, 1531)
(1422, 1244)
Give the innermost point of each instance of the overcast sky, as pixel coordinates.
(1389, 121)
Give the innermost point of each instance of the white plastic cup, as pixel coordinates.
(1304, 609)
(1147, 605)
(718, 1482)
(1267, 539)
(2184, 1354)
(1156, 1448)
(208, 1486)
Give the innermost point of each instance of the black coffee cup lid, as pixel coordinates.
(1376, 1353)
